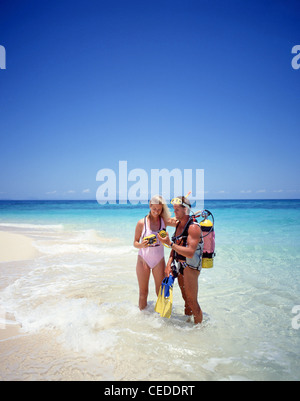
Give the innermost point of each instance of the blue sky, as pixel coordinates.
(188, 84)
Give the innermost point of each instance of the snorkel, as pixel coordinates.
(184, 204)
(182, 200)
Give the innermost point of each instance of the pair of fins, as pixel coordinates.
(165, 298)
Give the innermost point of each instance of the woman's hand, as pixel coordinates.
(144, 243)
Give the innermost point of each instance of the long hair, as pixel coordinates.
(159, 200)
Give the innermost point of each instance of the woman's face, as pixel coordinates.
(156, 210)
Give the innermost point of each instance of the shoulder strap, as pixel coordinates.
(145, 227)
(185, 231)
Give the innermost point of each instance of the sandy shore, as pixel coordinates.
(38, 357)
(14, 247)
(8, 329)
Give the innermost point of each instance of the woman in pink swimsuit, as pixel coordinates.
(151, 257)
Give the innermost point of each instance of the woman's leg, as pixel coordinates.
(143, 275)
(159, 274)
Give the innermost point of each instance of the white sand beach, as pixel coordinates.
(14, 247)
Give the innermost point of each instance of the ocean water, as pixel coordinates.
(82, 289)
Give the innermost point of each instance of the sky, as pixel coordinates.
(161, 84)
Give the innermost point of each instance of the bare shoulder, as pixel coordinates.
(140, 223)
(139, 229)
(195, 230)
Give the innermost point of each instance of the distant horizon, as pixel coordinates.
(140, 203)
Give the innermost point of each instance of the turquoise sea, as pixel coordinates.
(82, 291)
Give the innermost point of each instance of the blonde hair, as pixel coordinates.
(159, 200)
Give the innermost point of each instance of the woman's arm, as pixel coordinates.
(171, 222)
(138, 233)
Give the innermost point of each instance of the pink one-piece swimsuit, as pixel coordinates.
(152, 255)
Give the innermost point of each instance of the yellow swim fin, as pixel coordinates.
(160, 302)
(164, 304)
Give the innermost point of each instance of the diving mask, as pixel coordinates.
(178, 201)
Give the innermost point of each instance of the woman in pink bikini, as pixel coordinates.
(151, 256)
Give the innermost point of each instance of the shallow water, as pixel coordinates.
(83, 289)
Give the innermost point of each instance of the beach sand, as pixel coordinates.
(9, 331)
(14, 247)
(36, 356)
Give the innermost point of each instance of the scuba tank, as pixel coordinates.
(209, 244)
(208, 234)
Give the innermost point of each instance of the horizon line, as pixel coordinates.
(144, 200)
